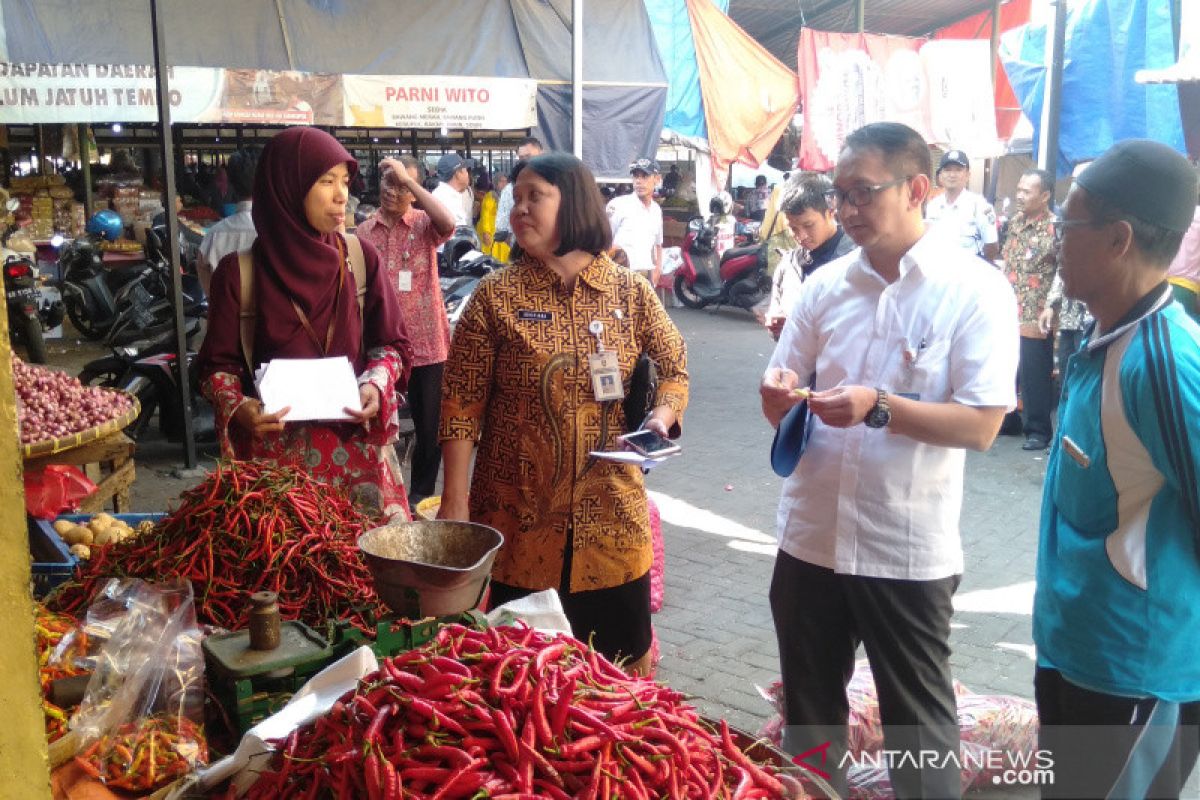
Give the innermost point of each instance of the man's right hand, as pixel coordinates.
(251, 418)
(779, 395)
(1046, 321)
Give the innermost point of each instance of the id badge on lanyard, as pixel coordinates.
(604, 368)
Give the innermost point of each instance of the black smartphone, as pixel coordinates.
(650, 443)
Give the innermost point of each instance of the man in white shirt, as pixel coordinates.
(637, 222)
(454, 187)
(527, 149)
(236, 232)
(910, 346)
(963, 216)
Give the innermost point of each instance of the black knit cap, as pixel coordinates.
(1145, 179)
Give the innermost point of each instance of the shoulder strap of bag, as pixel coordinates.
(246, 312)
(358, 268)
(246, 309)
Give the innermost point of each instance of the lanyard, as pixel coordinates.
(336, 299)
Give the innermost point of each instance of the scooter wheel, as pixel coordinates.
(79, 318)
(35, 343)
(687, 294)
(103, 372)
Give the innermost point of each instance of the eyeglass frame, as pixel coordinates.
(1061, 226)
(835, 196)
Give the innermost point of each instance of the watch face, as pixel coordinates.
(878, 418)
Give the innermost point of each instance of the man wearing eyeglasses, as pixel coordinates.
(1116, 617)
(910, 346)
(963, 216)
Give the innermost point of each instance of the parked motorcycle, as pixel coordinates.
(737, 278)
(22, 296)
(459, 284)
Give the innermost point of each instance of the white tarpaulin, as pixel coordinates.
(437, 101)
(960, 115)
(103, 93)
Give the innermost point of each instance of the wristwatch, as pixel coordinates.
(881, 413)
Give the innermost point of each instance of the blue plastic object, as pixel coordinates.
(106, 224)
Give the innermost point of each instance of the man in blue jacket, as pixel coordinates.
(1117, 611)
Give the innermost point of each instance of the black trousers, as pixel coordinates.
(820, 619)
(1068, 345)
(425, 401)
(1106, 746)
(1036, 378)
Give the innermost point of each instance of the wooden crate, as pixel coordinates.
(108, 462)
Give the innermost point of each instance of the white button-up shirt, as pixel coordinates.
(867, 501)
(636, 229)
(970, 221)
(231, 235)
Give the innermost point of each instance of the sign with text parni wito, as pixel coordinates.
(437, 101)
(103, 93)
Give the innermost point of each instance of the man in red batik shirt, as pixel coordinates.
(407, 230)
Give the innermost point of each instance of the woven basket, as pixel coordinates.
(49, 447)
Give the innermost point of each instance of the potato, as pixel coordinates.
(96, 524)
(81, 551)
(61, 526)
(103, 537)
(78, 535)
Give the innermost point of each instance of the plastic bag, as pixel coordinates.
(658, 565)
(140, 723)
(54, 489)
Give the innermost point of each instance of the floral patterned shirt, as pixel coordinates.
(1030, 257)
(517, 382)
(1072, 314)
(407, 250)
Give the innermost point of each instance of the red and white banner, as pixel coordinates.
(436, 101)
(851, 80)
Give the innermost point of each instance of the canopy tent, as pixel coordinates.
(624, 98)
(673, 32)
(1107, 42)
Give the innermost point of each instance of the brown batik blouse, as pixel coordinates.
(517, 382)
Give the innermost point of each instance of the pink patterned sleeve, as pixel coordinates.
(224, 391)
(384, 369)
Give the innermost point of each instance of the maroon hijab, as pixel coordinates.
(292, 262)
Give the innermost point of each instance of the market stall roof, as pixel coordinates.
(624, 97)
(776, 23)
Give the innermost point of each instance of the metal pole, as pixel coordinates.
(1052, 98)
(577, 78)
(995, 39)
(860, 16)
(85, 163)
(167, 149)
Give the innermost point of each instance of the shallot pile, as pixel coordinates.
(52, 404)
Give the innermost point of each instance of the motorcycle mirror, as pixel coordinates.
(57, 240)
(13, 204)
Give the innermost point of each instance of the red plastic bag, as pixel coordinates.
(54, 489)
(658, 565)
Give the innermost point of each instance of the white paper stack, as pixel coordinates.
(313, 388)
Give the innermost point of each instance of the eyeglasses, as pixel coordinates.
(860, 196)
(1063, 225)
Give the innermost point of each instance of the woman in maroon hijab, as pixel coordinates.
(306, 305)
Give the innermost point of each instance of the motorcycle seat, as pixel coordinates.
(737, 252)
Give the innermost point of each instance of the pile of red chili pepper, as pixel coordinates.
(146, 754)
(249, 527)
(50, 629)
(512, 714)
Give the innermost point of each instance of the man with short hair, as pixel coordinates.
(910, 347)
(236, 232)
(963, 216)
(1030, 257)
(637, 221)
(406, 230)
(1116, 617)
(454, 187)
(527, 149)
(815, 228)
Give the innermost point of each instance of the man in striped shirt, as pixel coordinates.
(1117, 610)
